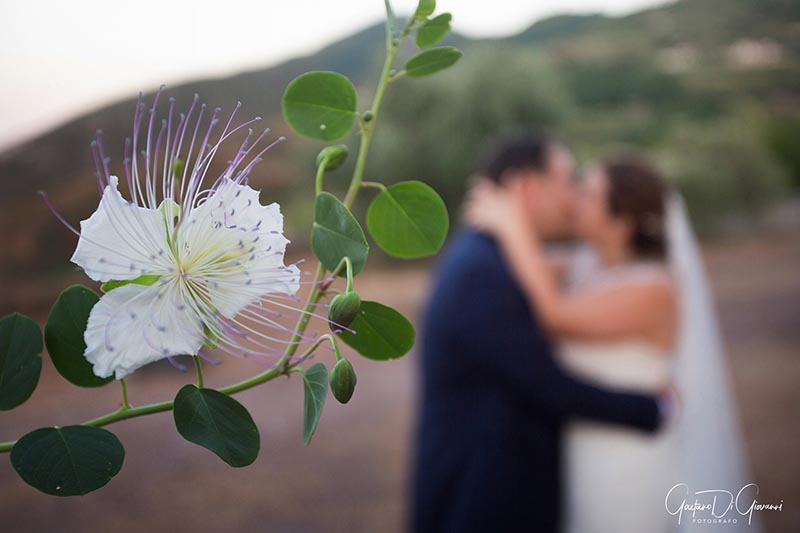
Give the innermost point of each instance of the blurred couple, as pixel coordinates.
(570, 391)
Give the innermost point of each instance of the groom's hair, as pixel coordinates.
(526, 151)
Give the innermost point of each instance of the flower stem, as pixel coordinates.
(125, 403)
(283, 366)
(199, 369)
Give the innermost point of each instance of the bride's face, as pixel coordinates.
(595, 223)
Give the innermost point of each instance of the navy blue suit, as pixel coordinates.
(493, 402)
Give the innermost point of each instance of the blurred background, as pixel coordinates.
(709, 88)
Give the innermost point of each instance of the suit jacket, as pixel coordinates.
(493, 402)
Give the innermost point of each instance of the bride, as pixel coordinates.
(629, 313)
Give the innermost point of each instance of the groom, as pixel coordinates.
(493, 398)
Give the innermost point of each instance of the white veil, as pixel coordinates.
(712, 446)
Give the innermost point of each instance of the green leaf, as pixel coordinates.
(217, 422)
(381, 333)
(315, 390)
(408, 220)
(336, 234)
(20, 359)
(320, 105)
(425, 8)
(68, 461)
(63, 335)
(432, 61)
(144, 279)
(433, 30)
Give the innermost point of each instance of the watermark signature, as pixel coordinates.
(716, 506)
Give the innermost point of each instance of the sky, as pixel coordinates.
(59, 59)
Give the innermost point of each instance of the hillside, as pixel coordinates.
(692, 57)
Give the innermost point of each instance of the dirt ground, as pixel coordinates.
(353, 476)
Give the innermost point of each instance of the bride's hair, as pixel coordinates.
(638, 192)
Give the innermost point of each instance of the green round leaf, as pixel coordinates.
(63, 335)
(408, 220)
(315, 390)
(320, 105)
(432, 61)
(434, 30)
(336, 234)
(20, 359)
(381, 333)
(68, 461)
(217, 422)
(425, 8)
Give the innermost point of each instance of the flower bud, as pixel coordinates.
(343, 381)
(335, 156)
(344, 309)
(367, 116)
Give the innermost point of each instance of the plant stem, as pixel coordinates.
(199, 369)
(282, 367)
(374, 185)
(318, 180)
(369, 128)
(125, 403)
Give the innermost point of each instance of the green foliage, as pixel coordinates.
(432, 61)
(63, 335)
(620, 82)
(20, 359)
(381, 333)
(425, 8)
(336, 234)
(315, 390)
(217, 422)
(408, 220)
(343, 381)
(434, 30)
(320, 105)
(344, 309)
(68, 461)
(783, 138)
(723, 170)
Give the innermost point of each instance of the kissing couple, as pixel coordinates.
(569, 388)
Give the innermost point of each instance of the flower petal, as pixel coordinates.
(134, 325)
(121, 240)
(235, 247)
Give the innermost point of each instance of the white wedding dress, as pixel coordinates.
(618, 479)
